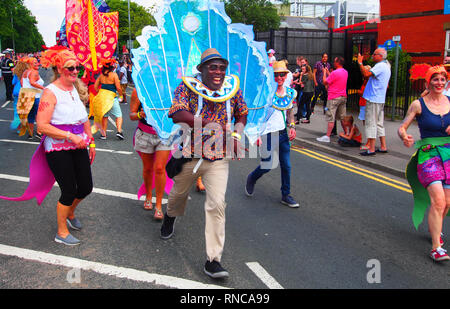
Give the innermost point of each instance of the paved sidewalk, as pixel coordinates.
(393, 162)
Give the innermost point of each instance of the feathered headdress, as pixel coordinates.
(437, 69)
(56, 56)
(107, 62)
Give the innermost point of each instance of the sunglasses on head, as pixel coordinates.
(282, 74)
(215, 67)
(73, 68)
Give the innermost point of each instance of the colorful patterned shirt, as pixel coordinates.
(187, 100)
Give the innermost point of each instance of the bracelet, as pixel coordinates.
(92, 145)
(68, 136)
(236, 136)
(139, 115)
(292, 125)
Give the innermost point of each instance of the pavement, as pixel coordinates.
(394, 162)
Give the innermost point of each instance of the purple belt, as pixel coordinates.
(73, 128)
(41, 177)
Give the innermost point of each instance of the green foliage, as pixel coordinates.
(140, 17)
(403, 59)
(262, 14)
(25, 32)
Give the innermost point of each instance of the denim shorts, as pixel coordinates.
(115, 110)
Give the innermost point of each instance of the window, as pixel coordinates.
(447, 43)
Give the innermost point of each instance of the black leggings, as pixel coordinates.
(72, 171)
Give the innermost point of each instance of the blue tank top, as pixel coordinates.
(432, 125)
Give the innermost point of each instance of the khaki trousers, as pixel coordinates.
(374, 120)
(214, 177)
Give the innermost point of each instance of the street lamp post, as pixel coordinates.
(12, 26)
(129, 27)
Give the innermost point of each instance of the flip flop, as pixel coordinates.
(367, 153)
(364, 147)
(158, 214)
(148, 205)
(381, 151)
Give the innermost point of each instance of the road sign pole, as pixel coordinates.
(396, 39)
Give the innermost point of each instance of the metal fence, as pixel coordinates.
(311, 44)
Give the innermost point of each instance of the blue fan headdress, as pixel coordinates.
(171, 51)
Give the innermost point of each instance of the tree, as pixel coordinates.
(140, 17)
(262, 14)
(22, 27)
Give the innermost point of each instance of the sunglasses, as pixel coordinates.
(280, 74)
(215, 67)
(73, 68)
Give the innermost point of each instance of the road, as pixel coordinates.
(353, 228)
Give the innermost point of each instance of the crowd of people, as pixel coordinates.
(68, 145)
(328, 82)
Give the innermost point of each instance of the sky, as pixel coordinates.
(50, 14)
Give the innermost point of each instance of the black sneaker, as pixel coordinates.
(38, 136)
(167, 227)
(120, 135)
(215, 270)
(249, 186)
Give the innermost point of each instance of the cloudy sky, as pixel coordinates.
(50, 14)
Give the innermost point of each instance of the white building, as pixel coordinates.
(346, 12)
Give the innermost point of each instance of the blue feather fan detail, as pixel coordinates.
(173, 50)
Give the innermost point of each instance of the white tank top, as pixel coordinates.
(69, 110)
(27, 84)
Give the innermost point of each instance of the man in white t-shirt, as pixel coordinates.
(123, 79)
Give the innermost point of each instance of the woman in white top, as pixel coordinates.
(31, 79)
(63, 119)
(277, 137)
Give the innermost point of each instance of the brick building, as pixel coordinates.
(422, 24)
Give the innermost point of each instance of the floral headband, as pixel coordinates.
(438, 69)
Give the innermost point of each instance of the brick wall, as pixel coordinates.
(423, 36)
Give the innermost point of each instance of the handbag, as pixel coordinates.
(174, 166)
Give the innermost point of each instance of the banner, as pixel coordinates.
(91, 34)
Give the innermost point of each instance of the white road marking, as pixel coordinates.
(125, 195)
(37, 143)
(6, 103)
(262, 274)
(104, 269)
(4, 120)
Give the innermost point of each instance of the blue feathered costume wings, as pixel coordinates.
(172, 50)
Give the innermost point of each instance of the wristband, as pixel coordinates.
(68, 136)
(236, 135)
(92, 145)
(139, 115)
(292, 125)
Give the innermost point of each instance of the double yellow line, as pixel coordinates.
(354, 169)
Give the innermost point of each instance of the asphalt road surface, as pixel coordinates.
(353, 228)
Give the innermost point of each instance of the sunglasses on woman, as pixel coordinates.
(73, 68)
(280, 74)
